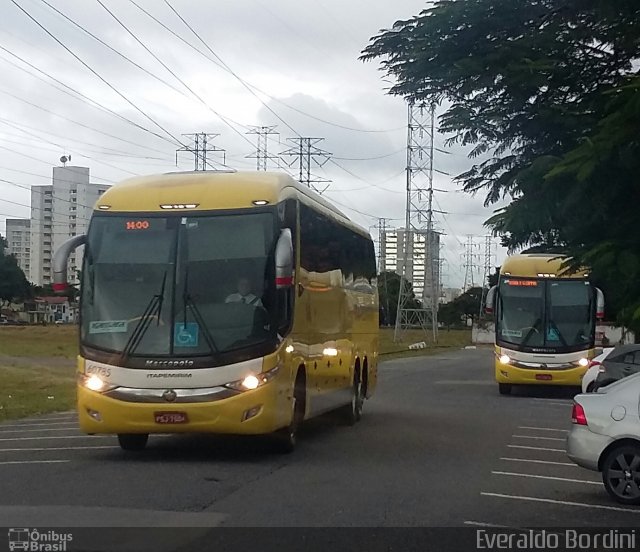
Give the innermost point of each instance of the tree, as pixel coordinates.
(548, 94)
(465, 306)
(388, 291)
(13, 283)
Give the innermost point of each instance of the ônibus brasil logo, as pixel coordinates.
(32, 540)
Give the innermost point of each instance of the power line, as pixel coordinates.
(255, 88)
(94, 72)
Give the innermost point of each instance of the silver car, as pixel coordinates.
(605, 437)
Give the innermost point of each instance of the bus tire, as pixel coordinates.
(284, 440)
(504, 388)
(352, 412)
(133, 441)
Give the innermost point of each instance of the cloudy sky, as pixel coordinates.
(121, 106)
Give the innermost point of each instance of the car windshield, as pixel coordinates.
(539, 313)
(177, 285)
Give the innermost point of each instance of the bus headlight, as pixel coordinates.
(95, 383)
(583, 362)
(504, 359)
(252, 381)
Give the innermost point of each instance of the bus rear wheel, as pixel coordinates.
(133, 441)
(504, 388)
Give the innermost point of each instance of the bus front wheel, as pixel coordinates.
(504, 388)
(285, 439)
(133, 441)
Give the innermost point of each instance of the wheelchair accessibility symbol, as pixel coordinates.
(185, 335)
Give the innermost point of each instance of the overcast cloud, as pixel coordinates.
(300, 59)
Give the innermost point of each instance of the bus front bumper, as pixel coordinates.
(259, 411)
(506, 373)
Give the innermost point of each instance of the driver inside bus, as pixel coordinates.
(244, 294)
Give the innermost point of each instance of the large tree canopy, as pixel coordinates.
(548, 94)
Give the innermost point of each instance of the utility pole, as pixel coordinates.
(261, 154)
(200, 146)
(419, 233)
(304, 152)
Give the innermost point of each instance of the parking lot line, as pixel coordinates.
(47, 424)
(34, 462)
(540, 461)
(561, 502)
(41, 449)
(544, 428)
(540, 438)
(536, 448)
(55, 437)
(483, 524)
(557, 401)
(552, 478)
(68, 428)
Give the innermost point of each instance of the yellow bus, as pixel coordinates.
(545, 319)
(221, 302)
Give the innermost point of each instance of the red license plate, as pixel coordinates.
(171, 417)
(544, 377)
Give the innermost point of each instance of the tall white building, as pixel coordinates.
(18, 243)
(392, 259)
(59, 211)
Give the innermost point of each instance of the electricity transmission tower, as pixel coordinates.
(420, 247)
(200, 147)
(261, 155)
(486, 269)
(304, 153)
(470, 258)
(381, 226)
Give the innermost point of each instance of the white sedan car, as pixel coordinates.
(592, 372)
(605, 437)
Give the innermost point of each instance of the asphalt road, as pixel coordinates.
(437, 446)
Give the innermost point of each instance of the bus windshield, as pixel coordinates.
(178, 285)
(545, 313)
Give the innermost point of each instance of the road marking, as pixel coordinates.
(2, 426)
(540, 462)
(536, 448)
(543, 428)
(540, 438)
(562, 502)
(482, 524)
(532, 476)
(34, 462)
(563, 401)
(551, 402)
(56, 437)
(69, 428)
(38, 449)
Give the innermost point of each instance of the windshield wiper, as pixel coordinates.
(154, 308)
(560, 336)
(531, 332)
(188, 302)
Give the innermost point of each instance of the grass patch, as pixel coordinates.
(39, 341)
(455, 339)
(29, 389)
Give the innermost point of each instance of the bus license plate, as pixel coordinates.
(544, 377)
(171, 417)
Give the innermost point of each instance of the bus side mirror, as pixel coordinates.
(599, 304)
(490, 300)
(60, 261)
(284, 260)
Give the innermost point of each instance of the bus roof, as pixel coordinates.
(532, 265)
(212, 190)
